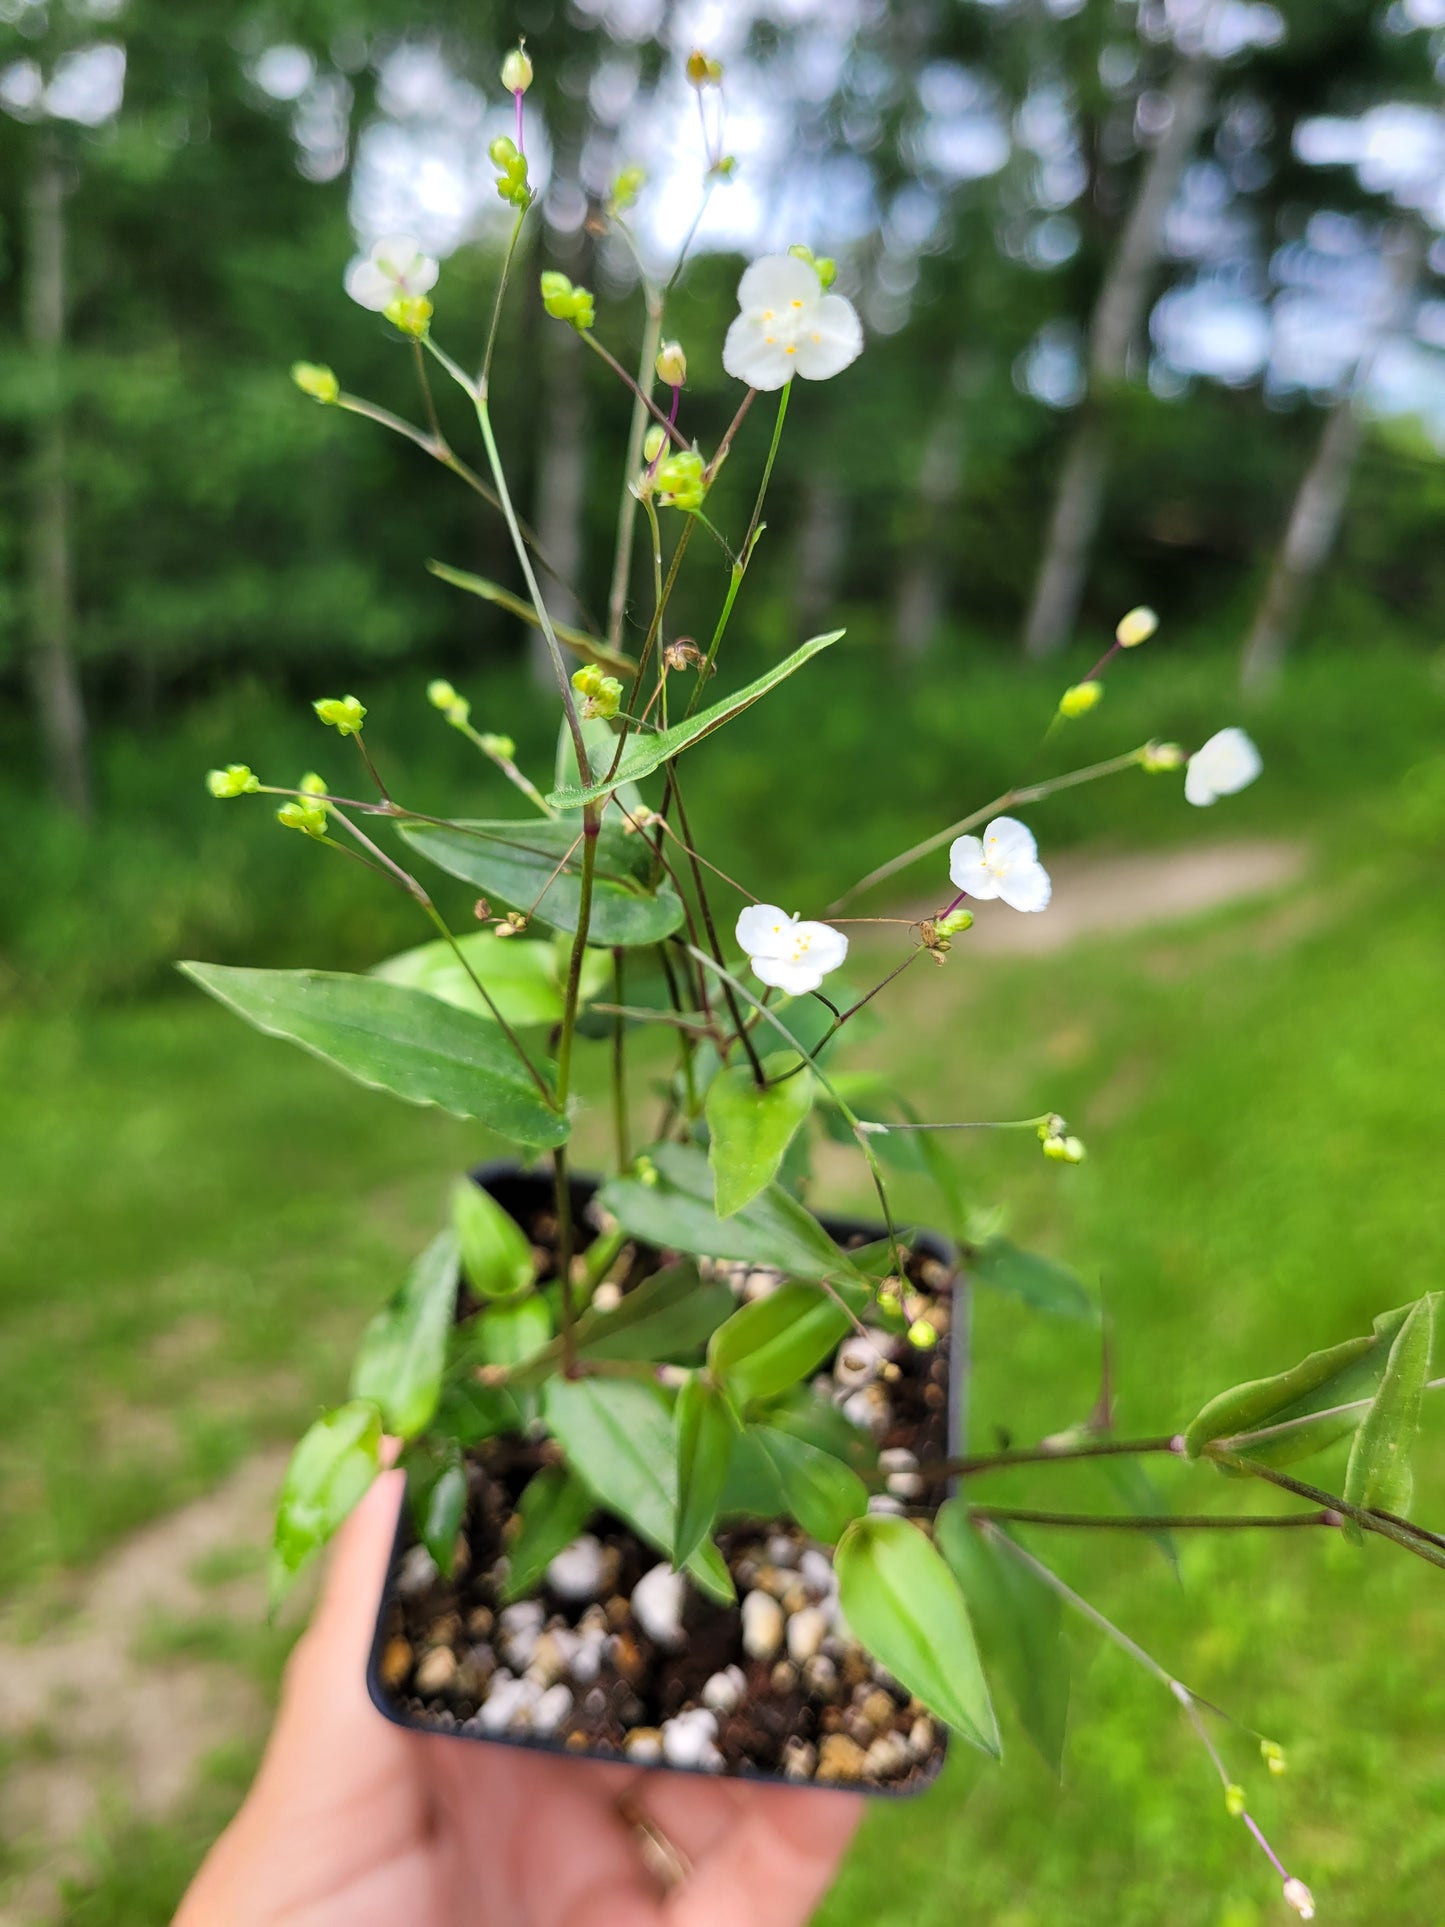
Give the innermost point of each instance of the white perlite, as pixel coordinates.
(657, 1602)
(688, 1740)
(762, 1625)
(576, 1572)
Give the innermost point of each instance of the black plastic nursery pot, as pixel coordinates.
(614, 1658)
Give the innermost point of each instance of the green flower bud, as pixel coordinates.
(626, 188)
(503, 151)
(440, 693)
(587, 680)
(1273, 1757)
(517, 70)
(823, 265)
(317, 381)
(605, 701)
(680, 480)
(310, 818)
(923, 1333)
(1081, 698)
(953, 924)
(647, 1172)
(234, 780)
(567, 303)
(654, 441)
(512, 181)
(343, 713)
(1136, 627)
(672, 364)
(313, 785)
(1064, 1150)
(1234, 1802)
(410, 313)
(1158, 757)
(503, 746)
(702, 71)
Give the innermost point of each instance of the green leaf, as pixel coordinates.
(819, 1491)
(806, 1415)
(554, 1507)
(523, 977)
(404, 1349)
(1038, 1282)
(706, 1429)
(753, 1489)
(396, 1040)
(1137, 1493)
(330, 1472)
(901, 1600)
(1307, 1398)
(469, 1413)
(600, 738)
(496, 1257)
(590, 648)
(1379, 1474)
(751, 1127)
(511, 1334)
(775, 1341)
(667, 1319)
(647, 753)
(617, 1434)
(537, 868)
(436, 1486)
(676, 1213)
(1020, 1627)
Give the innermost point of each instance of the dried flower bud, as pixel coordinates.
(672, 364)
(236, 779)
(1298, 1896)
(482, 910)
(517, 70)
(317, 381)
(1136, 627)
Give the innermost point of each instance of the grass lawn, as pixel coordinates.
(197, 1219)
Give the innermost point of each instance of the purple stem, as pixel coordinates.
(1269, 1852)
(1103, 663)
(518, 93)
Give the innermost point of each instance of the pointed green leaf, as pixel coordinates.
(600, 739)
(469, 1413)
(522, 977)
(404, 1349)
(819, 1491)
(436, 1490)
(752, 1126)
(554, 1507)
(644, 754)
(536, 867)
(617, 1434)
(676, 1213)
(496, 1257)
(511, 1334)
(1379, 1474)
(330, 1472)
(706, 1429)
(1318, 1401)
(806, 1415)
(753, 1489)
(775, 1341)
(901, 1600)
(667, 1319)
(590, 648)
(1019, 1622)
(1038, 1282)
(393, 1039)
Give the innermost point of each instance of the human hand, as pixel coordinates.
(354, 1822)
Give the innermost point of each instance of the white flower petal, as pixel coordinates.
(967, 870)
(1006, 841)
(764, 930)
(783, 974)
(1226, 764)
(748, 355)
(366, 284)
(1027, 887)
(400, 257)
(831, 337)
(775, 282)
(821, 946)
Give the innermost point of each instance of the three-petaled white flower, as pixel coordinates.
(787, 954)
(395, 268)
(1004, 863)
(789, 326)
(1227, 763)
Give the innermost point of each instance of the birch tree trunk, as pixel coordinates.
(55, 679)
(1118, 320)
(919, 602)
(1319, 505)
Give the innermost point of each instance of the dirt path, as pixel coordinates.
(97, 1727)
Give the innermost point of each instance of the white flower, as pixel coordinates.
(788, 326)
(395, 267)
(1003, 862)
(789, 955)
(1228, 762)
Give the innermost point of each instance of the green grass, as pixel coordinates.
(198, 1221)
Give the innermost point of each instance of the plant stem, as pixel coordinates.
(627, 510)
(512, 240)
(1047, 1454)
(620, 1131)
(1154, 1522)
(1425, 1544)
(674, 433)
(729, 993)
(591, 829)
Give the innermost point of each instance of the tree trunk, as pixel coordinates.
(55, 679)
(818, 554)
(918, 605)
(1319, 506)
(1118, 320)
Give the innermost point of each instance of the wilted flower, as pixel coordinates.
(787, 954)
(789, 326)
(1228, 763)
(395, 269)
(1298, 1896)
(1003, 863)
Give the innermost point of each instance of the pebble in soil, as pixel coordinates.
(619, 1657)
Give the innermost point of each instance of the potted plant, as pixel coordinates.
(686, 1484)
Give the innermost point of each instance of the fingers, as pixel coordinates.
(764, 1855)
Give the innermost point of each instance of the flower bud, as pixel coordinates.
(823, 265)
(343, 713)
(587, 680)
(1064, 1150)
(1298, 1896)
(680, 482)
(517, 70)
(923, 1333)
(503, 151)
(1234, 1802)
(626, 188)
(512, 182)
(1162, 756)
(606, 702)
(953, 924)
(440, 693)
(702, 70)
(1136, 627)
(313, 785)
(654, 442)
(1273, 1756)
(646, 1172)
(1081, 698)
(566, 303)
(502, 746)
(317, 381)
(672, 364)
(234, 780)
(410, 313)
(309, 818)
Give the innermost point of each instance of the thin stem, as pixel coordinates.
(627, 509)
(427, 397)
(675, 434)
(1082, 1607)
(508, 768)
(1029, 793)
(966, 1124)
(372, 771)
(1048, 1453)
(620, 1131)
(513, 238)
(728, 990)
(1425, 1544)
(1154, 1522)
